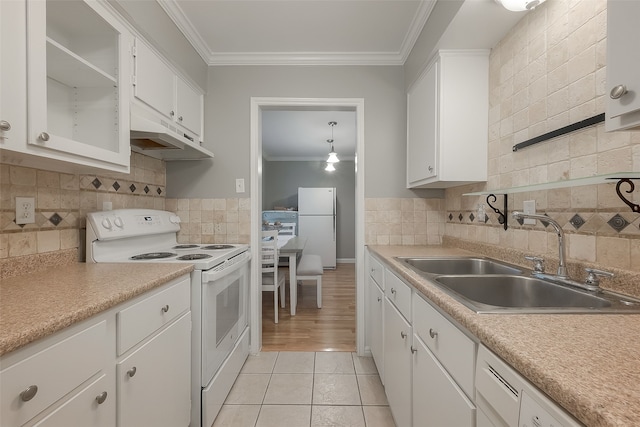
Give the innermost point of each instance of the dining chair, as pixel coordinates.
(271, 280)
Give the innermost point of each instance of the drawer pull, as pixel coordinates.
(101, 397)
(393, 291)
(29, 393)
(131, 372)
(403, 335)
(165, 308)
(432, 333)
(413, 350)
(379, 299)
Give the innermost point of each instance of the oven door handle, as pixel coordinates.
(227, 267)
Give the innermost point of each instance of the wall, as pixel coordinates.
(227, 124)
(61, 204)
(548, 72)
(281, 180)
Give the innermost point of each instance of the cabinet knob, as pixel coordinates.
(44, 136)
(618, 91)
(403, 334)
(393, 291)
(28, 393)
(131, 372)
(430, 168)
(432, 333)
(413, 350)
(379, 299)
(101, 397)
(172, 113)
(5, 125)
(180, 118)
(165, 308)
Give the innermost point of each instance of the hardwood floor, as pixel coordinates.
(330, 328)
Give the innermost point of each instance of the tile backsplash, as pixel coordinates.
(61, 204)
(549, 72)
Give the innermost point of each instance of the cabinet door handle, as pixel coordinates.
(432, 333)
(172, 113)
(413, 350)
(403, 334)
(393, 291)
(131, 372)
(101, 397)
(44, 136)
(29, 393)
(5, 125)
(618, 91)
(430, 168)
(379, 299)
(165, 308)
(180, 118)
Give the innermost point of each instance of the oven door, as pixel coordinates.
(224, 317)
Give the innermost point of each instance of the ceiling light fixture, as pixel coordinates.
(519, 5)
(333, 157)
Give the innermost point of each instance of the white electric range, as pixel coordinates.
(219, 293)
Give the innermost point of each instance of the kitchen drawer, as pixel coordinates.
(376, 271)
(454, 350)
(398, 292)
(83, 409)
(140, 320)
(55, 371)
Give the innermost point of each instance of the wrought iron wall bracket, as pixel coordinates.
(502, 216)
(634, 207)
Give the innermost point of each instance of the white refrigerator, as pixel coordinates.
(317, 222)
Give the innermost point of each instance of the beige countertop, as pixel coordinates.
(35, 305)
(588, 363)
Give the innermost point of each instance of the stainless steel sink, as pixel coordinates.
(488, 286)
(459, 265)
(523, 294)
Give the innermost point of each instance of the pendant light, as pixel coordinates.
(330, 167)
(519, 5)
(333, 157)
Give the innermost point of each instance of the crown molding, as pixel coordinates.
(178, 16)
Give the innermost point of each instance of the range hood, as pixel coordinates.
(154, 136)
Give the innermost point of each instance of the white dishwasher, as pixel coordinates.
(505, 399)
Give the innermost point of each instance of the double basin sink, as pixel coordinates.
(488, 286)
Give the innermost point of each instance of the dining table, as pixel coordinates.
(293, 248)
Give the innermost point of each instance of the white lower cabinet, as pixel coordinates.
(397, 364)
(375, 325)
(70, 378)
(437, 399)
(154, 380)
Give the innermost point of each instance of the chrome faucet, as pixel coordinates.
(562, 268)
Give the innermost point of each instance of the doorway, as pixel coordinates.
(258, 106)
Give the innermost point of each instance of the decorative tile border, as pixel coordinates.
(590, 223)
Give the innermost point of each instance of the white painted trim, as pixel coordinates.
(257, 104)
(177, 15)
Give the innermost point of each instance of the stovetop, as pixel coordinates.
(144, 235)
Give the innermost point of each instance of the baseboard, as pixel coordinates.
(346, 260)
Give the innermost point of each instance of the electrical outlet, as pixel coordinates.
(240, 185)
(529, 207)
(25, 210)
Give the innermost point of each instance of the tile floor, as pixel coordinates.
(306, 389)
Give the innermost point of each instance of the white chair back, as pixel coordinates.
(271, 281)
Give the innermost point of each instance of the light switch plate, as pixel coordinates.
(240, 185)
(529, 207)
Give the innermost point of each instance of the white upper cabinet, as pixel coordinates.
(623, 65)
(447, 121)
(77, 97)
(160, 88)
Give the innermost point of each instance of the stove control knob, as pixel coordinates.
(118, 222)
(106, 223)
(174, 219)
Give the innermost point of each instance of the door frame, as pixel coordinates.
(258, 104)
